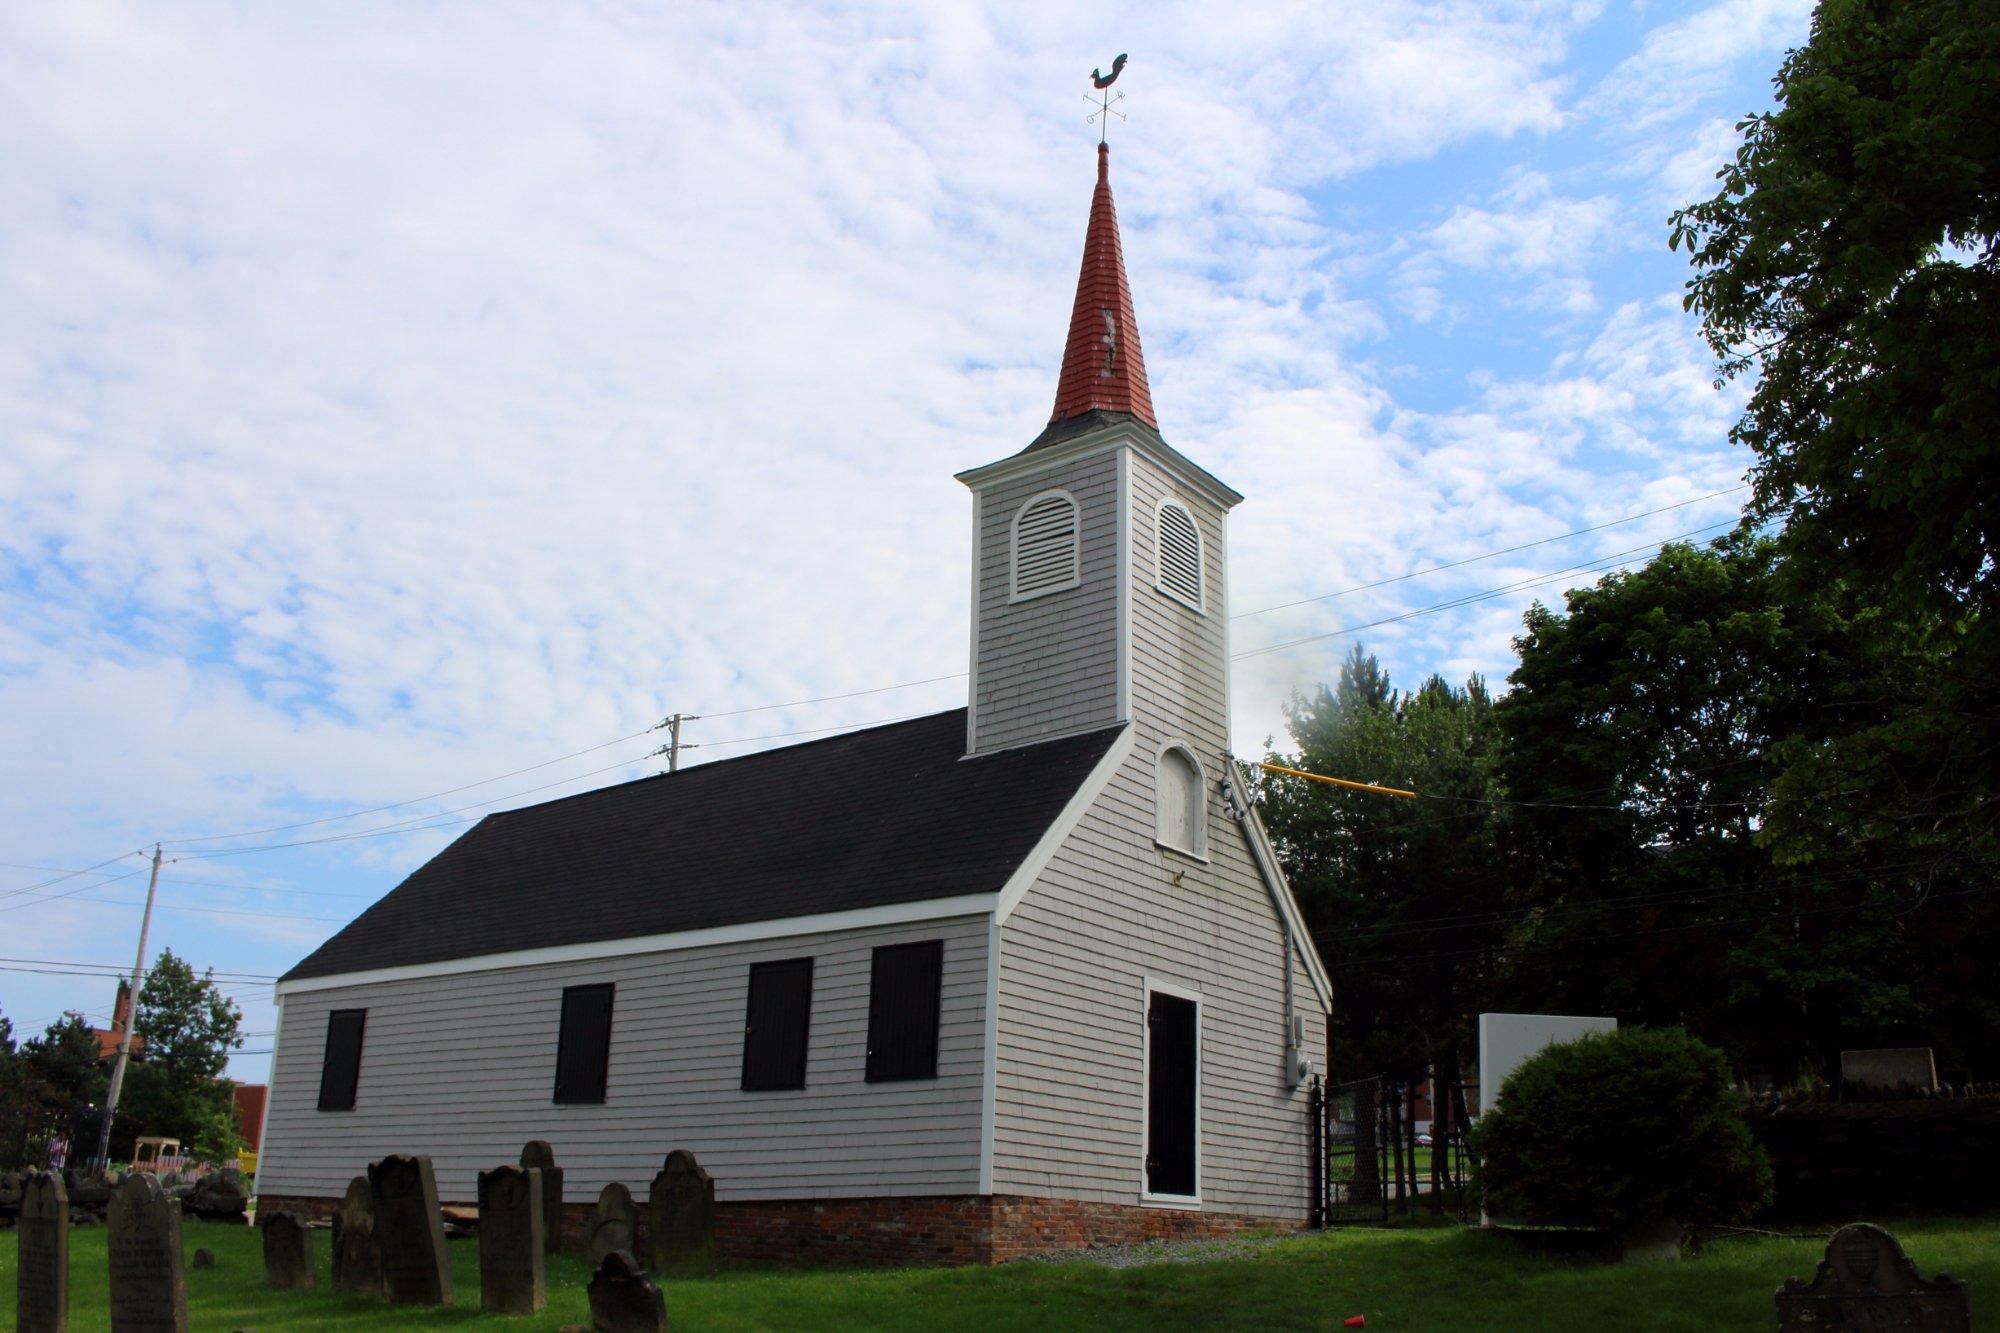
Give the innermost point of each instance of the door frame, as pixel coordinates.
(1151, 987)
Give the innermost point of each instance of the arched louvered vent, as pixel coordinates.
(1179, 554)
(1045, 545)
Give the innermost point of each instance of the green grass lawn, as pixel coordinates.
(1406, 1278)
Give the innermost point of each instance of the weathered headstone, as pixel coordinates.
(510, 1240)
(288, 1252)
(148, 1288)
(357, 1255)
(614, 1223)
(1867, 1282)
(409, 1230)
(203, 1259)
(623, 1299)
(538, 1154)
(1891, 1069)
(41, 1300)
(218, 1196)
(681, 1217)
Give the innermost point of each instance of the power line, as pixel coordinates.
(67, 874)
(1489, 555)
(175, 907)
(1590, 566)
(121, 971)
(414, 800)
(222, 883)
(1367, 964)
(835, 698)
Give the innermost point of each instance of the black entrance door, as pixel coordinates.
(1173, 1058)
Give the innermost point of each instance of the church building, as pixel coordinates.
(1024, 975)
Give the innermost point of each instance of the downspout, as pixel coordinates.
(1235, 789)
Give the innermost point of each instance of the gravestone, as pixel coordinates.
(218, 1197)
(623, 1299)
(614, 1223)
(203, 1259)
(41, 1298)
(288, 1252)
(409, 1230)
(538, 1154)
(681, 1214)
(1867, 1282)
(1891, 1068)
(148, 1288)
(510, 1240)
(357, 1255)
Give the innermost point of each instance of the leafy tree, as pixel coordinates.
(189, 1027)
(63, 1060)
(1621, 1130)
(1375, 873)
(1643, 735)
(1849, 265)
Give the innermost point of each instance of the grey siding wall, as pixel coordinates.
(463, 1068)
(1112, 909)
(1048, 666)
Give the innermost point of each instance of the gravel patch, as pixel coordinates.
(1159, 1252)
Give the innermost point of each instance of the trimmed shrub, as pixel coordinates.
(1621, 1130)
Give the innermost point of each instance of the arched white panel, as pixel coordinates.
(1182, 796)
(1177, 543)
(1045, 546)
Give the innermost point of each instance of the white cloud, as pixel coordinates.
(390, 397)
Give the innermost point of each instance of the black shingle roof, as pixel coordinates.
(892, 814)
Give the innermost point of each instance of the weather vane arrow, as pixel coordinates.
(1106, 101)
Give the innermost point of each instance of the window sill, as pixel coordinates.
(1181, 601)
(1189, 1203)
(1199, 858)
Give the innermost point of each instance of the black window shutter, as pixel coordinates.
(903, 995)
(583, 1050)
(776, 1023)
(340, 1067)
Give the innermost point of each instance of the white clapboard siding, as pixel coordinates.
(1048, 665)
(1106, 914)
(463, 1068)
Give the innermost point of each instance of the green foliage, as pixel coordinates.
(188, 1024)
(1850, 263)
(215, 1138)
(1645, 730)
(1371, 871)
(1457, 1278)
(1618, 1130)
(64, 1061)
(189, 1027)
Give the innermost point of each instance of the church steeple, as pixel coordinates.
(1103, 369)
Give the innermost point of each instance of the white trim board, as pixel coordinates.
(860, 918)
(1064, 824)
(1266, 858)
(1151, 985)
(989, 1106)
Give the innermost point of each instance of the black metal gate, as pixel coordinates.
(1372, 1153)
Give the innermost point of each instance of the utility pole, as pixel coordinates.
(131, 1018)
(674, 739)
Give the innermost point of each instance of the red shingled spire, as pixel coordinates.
(1102, 365)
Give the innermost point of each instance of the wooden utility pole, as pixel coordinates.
(674, 739)
(131, 1018)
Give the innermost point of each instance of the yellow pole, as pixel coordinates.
(1336, 782)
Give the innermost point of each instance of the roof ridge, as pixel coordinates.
(718, 763)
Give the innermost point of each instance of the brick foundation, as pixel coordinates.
(948, 1230)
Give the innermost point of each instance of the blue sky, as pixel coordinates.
(394, 397)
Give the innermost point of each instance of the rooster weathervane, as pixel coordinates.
(1106, 101)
